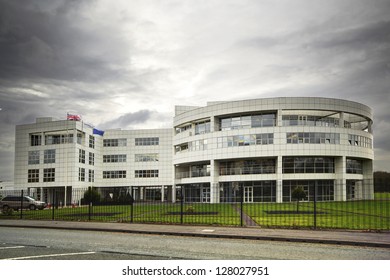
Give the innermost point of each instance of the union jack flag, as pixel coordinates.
(71, 117)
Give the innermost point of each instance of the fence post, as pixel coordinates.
(21, 204)
(131, 209)
(53, 199)
(315, 205)
(241, 206)
(90, 203)
(181, 207)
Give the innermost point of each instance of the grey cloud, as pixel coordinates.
(125, 121)
(53, 43)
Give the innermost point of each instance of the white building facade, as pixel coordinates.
(67, 156)
(257, 149)
(268, 147)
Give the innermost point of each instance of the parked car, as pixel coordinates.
(15, 202)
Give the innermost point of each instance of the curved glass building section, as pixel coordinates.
(267, 147)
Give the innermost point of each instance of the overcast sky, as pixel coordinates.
(126, 63)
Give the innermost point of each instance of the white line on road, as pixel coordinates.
(13, 247)
(52, 255)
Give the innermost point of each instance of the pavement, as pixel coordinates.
(342, 237)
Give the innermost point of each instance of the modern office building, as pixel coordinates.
(260, 149)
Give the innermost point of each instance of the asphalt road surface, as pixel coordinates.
(52, 244)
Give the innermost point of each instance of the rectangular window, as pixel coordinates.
(114, 174)
(354, 166)
(114, 158)
(308, 165)
(312, 138)
(245, 140)
(35, 139)
(146, 157)
(202, 127)
(81, 156)
(122, 142)
(82, 174)
(49, 174)
(33, 157)
(55, 139)
(33, 176)
(91, 141)
(146, 173)
(80, 137)
(49, 156)
(357, 140)
(91, 175)
(251, 121)
(91, 158)
(147, 141)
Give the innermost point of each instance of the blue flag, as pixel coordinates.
(98, 132)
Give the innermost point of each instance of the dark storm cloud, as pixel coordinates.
(49, 39)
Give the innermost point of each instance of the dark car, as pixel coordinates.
(15, 202)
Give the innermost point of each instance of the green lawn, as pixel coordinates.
(363, 215)
(346, 215)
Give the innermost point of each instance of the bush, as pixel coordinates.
(92, 196)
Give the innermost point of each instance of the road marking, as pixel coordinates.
(13, 247)
(52, 255)
(208, 230)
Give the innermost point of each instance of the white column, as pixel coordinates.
(279, 181)
(214, 186)
(162, 193)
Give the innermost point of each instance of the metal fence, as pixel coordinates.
(117, 205)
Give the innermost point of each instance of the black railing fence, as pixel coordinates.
(243, 209)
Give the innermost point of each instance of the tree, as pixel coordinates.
(298, 194)
(92, 196)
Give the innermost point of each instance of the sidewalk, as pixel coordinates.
(354, 238)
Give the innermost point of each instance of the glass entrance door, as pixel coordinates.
(205, 194)
(248, 194)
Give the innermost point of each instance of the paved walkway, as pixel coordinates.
(354, 238)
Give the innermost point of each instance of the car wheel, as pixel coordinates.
(32, 207)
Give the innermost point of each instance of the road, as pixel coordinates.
(54, 244)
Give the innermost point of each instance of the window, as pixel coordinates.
(81, 156)
(82, 174)
(244, 167)
(91, 158)
(146, 157)
(245, 140)
(49, 156)
(80, 137)
(312, 138)
(202, 127)
(308, 165)
(354, 166)
(33, 176)
(146, 173)
(122, 142)
(325, 189)
(198, 145)
(54, 139)
(33, 157)
(357, 140)
(91, 175)
(114, 158)
(49, 174)
(91, 141)
(307, 120)
(149, 141)
(35, 139)
(251, 121)
(183, 128)
(114, 174)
